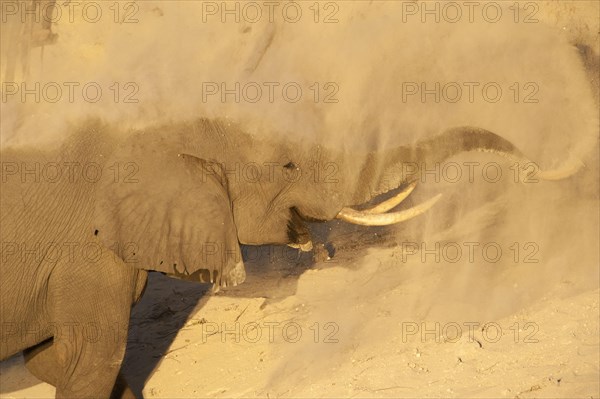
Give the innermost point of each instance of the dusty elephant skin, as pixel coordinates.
(82, 226)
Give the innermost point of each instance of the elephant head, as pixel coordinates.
(207, 186)
(275, 187)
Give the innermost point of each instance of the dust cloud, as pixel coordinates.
(356, 75)
(349, 82)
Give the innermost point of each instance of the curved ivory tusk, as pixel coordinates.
(384, 219)
(391, 203)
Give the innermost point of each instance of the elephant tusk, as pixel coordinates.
(384, 219)
(391, 202)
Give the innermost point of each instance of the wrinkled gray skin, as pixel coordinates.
(175, 206)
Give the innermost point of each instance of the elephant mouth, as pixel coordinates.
(298, 232)
(376, 215)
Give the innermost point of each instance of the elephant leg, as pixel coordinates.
(121, 389)
(42, 362)
(90, 306)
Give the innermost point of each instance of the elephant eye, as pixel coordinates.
(290, 165)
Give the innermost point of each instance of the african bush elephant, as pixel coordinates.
(82, 225)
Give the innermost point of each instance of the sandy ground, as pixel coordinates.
(378, 319)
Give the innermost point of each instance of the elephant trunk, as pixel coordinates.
(385, 171)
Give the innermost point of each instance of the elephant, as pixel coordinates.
(84, 223)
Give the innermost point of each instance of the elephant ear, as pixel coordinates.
(173, 215)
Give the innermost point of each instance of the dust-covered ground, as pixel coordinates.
(493, 293)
